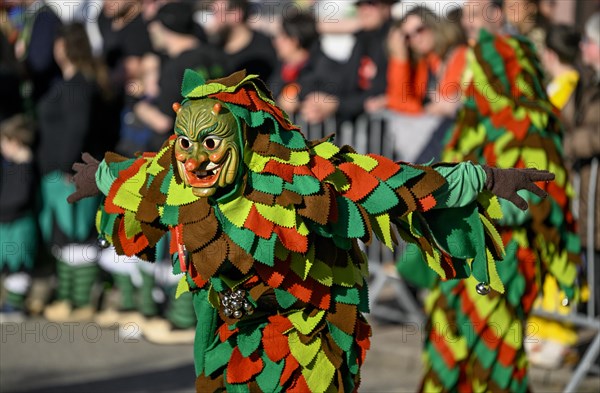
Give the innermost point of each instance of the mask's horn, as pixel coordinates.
(176, 107)
(216, 108)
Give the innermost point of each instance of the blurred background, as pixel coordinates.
(100, 76)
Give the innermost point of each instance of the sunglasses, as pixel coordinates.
(419, 30)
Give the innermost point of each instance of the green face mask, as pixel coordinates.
(207, 148)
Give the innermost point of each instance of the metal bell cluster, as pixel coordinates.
(235, 305)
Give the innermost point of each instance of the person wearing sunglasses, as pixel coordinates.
(361, 80)
(426, 61)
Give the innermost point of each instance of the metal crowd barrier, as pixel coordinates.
(370, 134)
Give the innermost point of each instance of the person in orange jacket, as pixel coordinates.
(426, 63)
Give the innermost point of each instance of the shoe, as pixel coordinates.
(161, 331)
(82, 314)
(11, 314)
(108, 318)
(58, 311)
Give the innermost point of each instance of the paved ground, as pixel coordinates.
(38, 356)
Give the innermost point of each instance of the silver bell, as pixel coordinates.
(236, 305)
(248, 306)
(227, 311)
(240, 293)
(237, 314)
(482, 288)
(103, 243)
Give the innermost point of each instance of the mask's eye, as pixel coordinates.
(211, 143)
(185, 143)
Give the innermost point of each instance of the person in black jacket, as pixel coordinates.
(296, 44)
(34, 46)
(173, 32)
(246, 49)
(125, 42)
(18, 240)
(362, 78)
(71, 120)
(10, 95)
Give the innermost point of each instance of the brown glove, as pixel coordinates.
(85, 178)
(506, 182)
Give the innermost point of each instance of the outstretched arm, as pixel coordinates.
(129, 218)
(464, 182)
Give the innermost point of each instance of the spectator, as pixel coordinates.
(478, 15)
(361, 82)
(524, 17)
(296, 44)
(245, 48)
(71, 120)
(174, 32)
(34, 46)
(125, 41)
(17, 223)
(10, 95)
(427, 60)
(559, 60)
(546, 9)
(551, 339)
(336, 17)
(582, 142)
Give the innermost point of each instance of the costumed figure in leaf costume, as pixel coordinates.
(265, 225)
(475, 343)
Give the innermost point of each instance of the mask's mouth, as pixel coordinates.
(204, 178)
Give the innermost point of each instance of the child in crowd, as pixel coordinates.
(17, 224)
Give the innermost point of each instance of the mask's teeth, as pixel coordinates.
(211, 165)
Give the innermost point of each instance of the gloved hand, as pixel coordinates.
(85, 178)
(506, 182)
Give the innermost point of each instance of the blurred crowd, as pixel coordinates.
(98, 76)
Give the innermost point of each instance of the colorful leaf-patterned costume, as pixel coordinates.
(286, 232)
(475, 343)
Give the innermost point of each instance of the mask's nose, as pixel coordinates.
(191, 165)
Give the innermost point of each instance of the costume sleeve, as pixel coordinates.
(442, 210)
(464, 182)
(134, 215)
